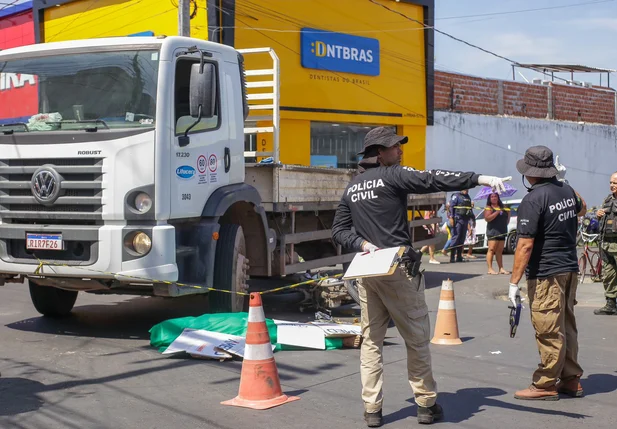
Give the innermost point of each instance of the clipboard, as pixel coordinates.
(382, 262)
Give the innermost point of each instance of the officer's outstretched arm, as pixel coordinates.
(413, 181)
(341, 228)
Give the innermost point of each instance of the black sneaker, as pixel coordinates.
(428, 415)
(373, 420)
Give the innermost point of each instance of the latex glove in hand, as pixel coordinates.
(494, 182)
(561, 169)
(513, 293)
(369, 247)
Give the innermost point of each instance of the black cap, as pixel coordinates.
(538, 162)
(382, 136)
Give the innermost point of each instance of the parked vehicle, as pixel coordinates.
(134, 177)
(510, 246)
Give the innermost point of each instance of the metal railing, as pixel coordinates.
(267, 103)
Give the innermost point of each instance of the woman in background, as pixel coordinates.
(497, 218)
(430, 232)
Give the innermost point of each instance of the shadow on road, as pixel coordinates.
(24, 389)
(466, 403)
(435, 278)
(130, 319)
(20, 395)
(599, 383)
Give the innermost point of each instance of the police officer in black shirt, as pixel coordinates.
(546, 253)
(375, 205)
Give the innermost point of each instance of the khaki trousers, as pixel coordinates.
(552, 302)
(402, 299)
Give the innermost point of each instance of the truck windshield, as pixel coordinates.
(99, 90)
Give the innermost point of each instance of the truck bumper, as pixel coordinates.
(91, 252)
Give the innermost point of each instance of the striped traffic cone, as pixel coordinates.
(260, 387)
(446, 326)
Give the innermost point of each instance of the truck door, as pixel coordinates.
(202, 166)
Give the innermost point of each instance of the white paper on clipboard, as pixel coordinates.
(382, 262)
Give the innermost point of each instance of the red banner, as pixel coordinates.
(18, 93)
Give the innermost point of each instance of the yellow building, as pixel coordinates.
(345, 65)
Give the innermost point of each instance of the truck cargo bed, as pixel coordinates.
(296, 187)
(300, 188)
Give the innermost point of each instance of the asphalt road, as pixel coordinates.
(97, 370)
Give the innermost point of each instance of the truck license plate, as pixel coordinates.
(43, 241)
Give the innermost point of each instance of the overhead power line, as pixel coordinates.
(511, 61)
(7, 5)
(526, 10)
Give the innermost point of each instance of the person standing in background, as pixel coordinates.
(471, 239)
(497, 219)
(460, 214)
(608, 228)
(430, 229)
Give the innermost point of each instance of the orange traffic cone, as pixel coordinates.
(260, 387)
(446, 327)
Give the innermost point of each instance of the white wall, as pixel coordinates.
(492, 145)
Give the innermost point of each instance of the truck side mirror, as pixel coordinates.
(202, 96)
(202, 90)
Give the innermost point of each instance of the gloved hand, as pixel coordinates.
(513, 293)
(369, 247)
(561, 170)
(494, 182)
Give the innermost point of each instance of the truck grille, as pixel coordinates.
(80, 200)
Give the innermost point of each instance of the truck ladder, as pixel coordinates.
(264, 107)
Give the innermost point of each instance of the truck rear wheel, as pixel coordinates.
(230, 271)
(51, 301)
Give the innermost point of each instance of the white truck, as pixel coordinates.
(138, 174)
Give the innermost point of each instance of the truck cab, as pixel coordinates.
(136, 148)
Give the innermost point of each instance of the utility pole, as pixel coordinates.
(184, 18)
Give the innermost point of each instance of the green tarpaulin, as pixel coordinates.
(164, 333)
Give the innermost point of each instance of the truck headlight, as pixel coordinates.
(143, 202)
(141, 243)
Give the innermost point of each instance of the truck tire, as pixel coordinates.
(51, 301)
(352, 290)
(227, 275)
(510, 246)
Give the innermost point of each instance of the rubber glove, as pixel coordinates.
(369, 247)
(494, 182)
(513, 293)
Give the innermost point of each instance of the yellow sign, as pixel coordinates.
(396, 96)
(87, 19)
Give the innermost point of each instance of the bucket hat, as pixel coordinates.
(537, 162)
(382, 136)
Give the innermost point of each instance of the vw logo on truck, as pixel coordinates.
(45, 185)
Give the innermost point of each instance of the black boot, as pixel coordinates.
(428, 415)
(609, 309)
(373, 420)
(459, 255)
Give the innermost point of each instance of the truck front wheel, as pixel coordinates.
(230, 271)
(51, 301)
